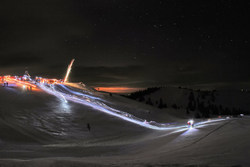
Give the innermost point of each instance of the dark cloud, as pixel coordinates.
(19, 59)
(108, 76)
(133, 43)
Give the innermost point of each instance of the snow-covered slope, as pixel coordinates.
(39, 129)
(179, 97)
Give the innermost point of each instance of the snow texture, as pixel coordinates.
(39, 129)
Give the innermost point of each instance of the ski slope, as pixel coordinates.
(46, 129)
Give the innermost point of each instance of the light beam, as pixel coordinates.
(68, 70)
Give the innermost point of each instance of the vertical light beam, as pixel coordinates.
(68, 70)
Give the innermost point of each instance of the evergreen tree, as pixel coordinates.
(160, 103)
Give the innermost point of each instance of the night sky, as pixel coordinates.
(128, 43)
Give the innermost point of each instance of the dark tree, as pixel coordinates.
(174, 106)
(160, 103)
(149, 101)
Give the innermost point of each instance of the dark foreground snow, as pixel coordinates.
(37, 129)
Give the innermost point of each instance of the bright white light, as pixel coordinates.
(24, 86)
(190, 123)
(96, 104)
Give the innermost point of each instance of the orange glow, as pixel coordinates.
(28, 87)
(117, 89)
(23, 82)
(19, 83)
(49, 81)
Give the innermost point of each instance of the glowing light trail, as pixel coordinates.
(89, 101)
(68, 70)
(80, 94)
(23, 84)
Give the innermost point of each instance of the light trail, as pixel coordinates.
(209, 121)
(104, 108)
(23, 83)
(68, 70)
(52, 86)
(80, 94)
(88, 101)
(66, 94)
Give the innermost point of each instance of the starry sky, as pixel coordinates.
(128, 43)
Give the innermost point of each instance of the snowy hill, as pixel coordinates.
(38, 128)
(201, 102)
